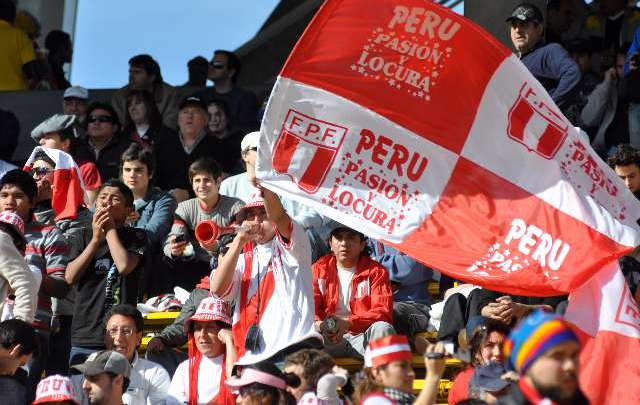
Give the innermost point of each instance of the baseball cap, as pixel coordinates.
(76, 92)
(488, 377)
(526, 12)
(341, 228)
(55, 123)
(210, 309)
(56, 388)
(250, 140)
(105, 361)
(193, 101)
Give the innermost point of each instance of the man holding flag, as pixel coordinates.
(422, 130)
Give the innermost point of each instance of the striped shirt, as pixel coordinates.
(190, 213)
(47, 251)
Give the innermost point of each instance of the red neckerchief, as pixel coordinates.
(248, 307)
(532, 395)
(224, 397)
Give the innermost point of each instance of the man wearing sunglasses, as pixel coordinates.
(148, 382)
(104, 139)
(224, 68)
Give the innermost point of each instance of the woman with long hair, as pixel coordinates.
(143, 122)
(484, 338)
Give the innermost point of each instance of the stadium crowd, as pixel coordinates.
(272, 296)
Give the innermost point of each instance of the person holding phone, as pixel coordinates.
(188, 260)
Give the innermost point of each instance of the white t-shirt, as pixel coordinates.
(345, 275)
(209, 375)
(287, 317)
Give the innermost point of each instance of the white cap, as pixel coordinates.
(250, 140)
(76, 92)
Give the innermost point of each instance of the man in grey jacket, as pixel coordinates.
(14, 272)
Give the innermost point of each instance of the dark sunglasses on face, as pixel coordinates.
(99, 118)
(217, 65)
(41, 171)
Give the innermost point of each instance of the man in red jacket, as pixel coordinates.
(352, 295)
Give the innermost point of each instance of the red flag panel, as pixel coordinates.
(402, 62)
(490, 232)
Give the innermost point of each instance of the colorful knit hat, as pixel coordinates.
(533, 336)
(387, 349)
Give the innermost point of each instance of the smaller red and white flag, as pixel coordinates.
(67, 185)
(607, 319)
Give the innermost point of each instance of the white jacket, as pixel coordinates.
(15, 275)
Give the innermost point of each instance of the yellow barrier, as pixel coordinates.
(156, 319)
(418, 362)
(443, 387)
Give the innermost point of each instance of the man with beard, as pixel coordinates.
(544, 351)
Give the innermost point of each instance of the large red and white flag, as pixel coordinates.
(411, 124)
(67, 185)
(607, 319)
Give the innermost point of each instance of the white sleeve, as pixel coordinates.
(327, 388)
(178, 389)
(160, 383)
(20, 278)
(232, 293)
(298, 244)
(377, 400)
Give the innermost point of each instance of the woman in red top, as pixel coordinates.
(485, 338)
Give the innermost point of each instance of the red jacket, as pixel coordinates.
(371, 297)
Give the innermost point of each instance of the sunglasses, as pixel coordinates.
(99, 118)
(217, 65)
(224, 250)
(41, 171)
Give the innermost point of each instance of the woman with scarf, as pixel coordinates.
(201, 378)
(389, 373)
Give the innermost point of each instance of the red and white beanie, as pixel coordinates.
(56, 388)
(210, 309)
(255, 200)
(13, 219)
(386, 350)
